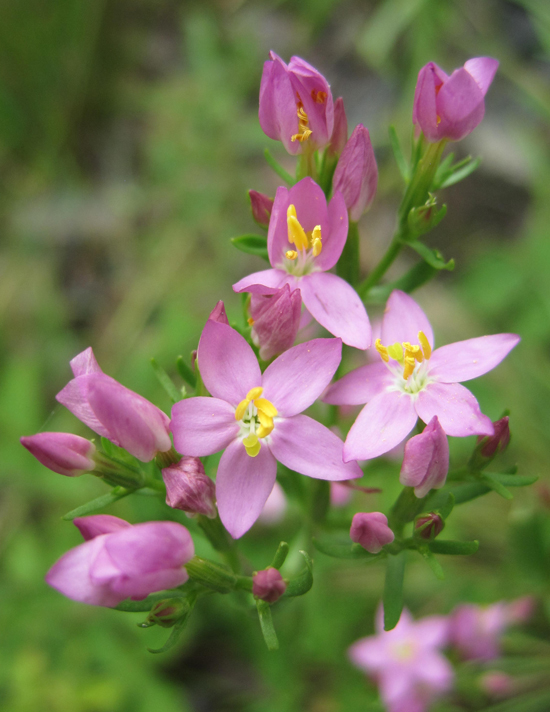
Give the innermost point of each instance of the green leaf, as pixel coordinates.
(129, 606)
(398, 154)
(252, 245)
(459, 173)
(177, 631)
(266, 624)
(513, 480)
(447, 505)
(280, 555)
(393, 590)
(453, 548)
(433, 563)
(186, 372)
(433, 257)
(97, 504)
(166, 382)
(304, 581)
(495, 485)
(340, 549)
(279, 170)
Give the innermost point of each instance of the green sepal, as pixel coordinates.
(95, 505)
(279, 170)
(266, 624)
(304, 581)
(453, 548)
(186, 372)
(177, 630)
(129, 606)
(496, 486)
(398, 154)
(339, 549)
(424, 218)
(280, 555)
(211, 575)
(432, 562)
(166, 382)
(393, 590)
(252, 245)
(433, 257)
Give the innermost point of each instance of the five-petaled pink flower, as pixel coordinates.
(255, 418)
(406, 662)
(305, 240)
(411, 382)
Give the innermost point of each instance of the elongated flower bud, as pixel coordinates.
(492, 445)
(188, 488)
(340, 131)
(428, 526)
(426, 460)
(67, 454)
(356, 175)
(261, 206)
(268, 585)
(371, 530)
(275, 320)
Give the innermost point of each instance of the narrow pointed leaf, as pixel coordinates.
(279, 170)
(453, 548)
(166, 382)
(186, 372)
(447, 505)
(432, 562)
(98, 504)
(339, 549)
(252, 245)
(304, 581)
(458, 175)
(398, 154)
(393, 590)
(513, 480)
(280, 555)
(433, 257)
(266, 624)
(495, 485)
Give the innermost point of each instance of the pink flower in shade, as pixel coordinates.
(451, 107)
(268, 585)
(64, 453)
(275, 320)
(113, 411)
(426, 461)
(305, 240)
(371, 530)
(406, 662)
(296, 105)
(411, 382)
(340, 131)
(255, 418)
(261, 206)
(119, 561)
(188, 488)
(356, 175)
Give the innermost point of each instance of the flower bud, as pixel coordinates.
(428, 526)
(168, 612)
(426, 461)
(492, 445)
(371, 530)
(218, 313)
(64, 453)
(261, 206)
(268, 585)
(356, 175)
(188, 488)
(275, 320)
(426, 217)
(340, 131)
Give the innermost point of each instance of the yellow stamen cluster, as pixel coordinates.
(266, 411)
(318, 97)
(300, 238)
(405, 353)
(304, 132)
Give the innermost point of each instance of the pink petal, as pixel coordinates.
(468, 359)
(460, 105)
(269, 279)
(403, 319)
(306, 80)
(426, 461)
(75, 398)
(298, 376)
(424, 109)
(277, 112)
(84, 363)
(359, 386)
(368, 653)
(243, 484)
(98, 524)
(433, 631)
(304, 445)
(483, 70)
(335, 239)
(203, 426)
(382, 424)
(337, 307)
(227, 364)
(456, 408)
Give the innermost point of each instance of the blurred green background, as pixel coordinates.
(128, 140)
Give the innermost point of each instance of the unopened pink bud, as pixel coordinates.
(188, 487)
(498, 442)
(64, 453)
(268, 585)
(428, 526)
(218, 313)
(275, 320)
(426, 461)
(261, 206)
(371, 530)
(340, 132)
(356, 175)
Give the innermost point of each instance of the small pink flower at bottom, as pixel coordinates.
(119, 561)
(371, 530)
(268, 585)
(406, 662)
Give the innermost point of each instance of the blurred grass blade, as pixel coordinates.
(433, 257)
(513, 480)
(266, 623)
(97, 504)
(393, 590)
(398, 154)
(279, 170)
(166, 382)
(454, 548)
(252, 245)
(186, 372)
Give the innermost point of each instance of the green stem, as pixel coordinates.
(220, 540)
(306, 164)
(405, 509)
(348, 264)
(382, 267)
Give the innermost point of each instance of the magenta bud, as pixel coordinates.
(275, 320)
(492, 445)
(268, 585)
(371, 530)
(426, 461)
(356, 175)
(188, 488)
(340, 131)
(428, 526)
(168, 612)
(218, 314)
(64, 453)
(261, 206)
(450, 107)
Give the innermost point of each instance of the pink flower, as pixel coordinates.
(119, 561)
(340, 131)
(426, 460)
(268, 585)
(305, 240)
(451, 107)
(275, 320)
(356, 175)
(499, 441)
(296, 104)
(64, 453)
(275, 506)
(188, 488)
(371, 530)
(113, 411)
(406, 662)
(340, 494)
(255, 418)
(261, 206)
(411, 382)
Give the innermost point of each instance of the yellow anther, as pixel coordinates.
(291, 211)
(303, 131)
(316, 241)
(317, 248)
(302, 116)
(241, 409)
(409, 366)
(265, 406)
(265, 420)
(396, 352)
(413, 351)
(263, 431)
(382, 350)
(250, 440)
(426, 348)
(319, 96)
(254, 393)
(250, 321)
(291, 254)
(254, 449)
(296, 234)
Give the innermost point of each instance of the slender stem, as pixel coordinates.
(382, 267)
(220, 540)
